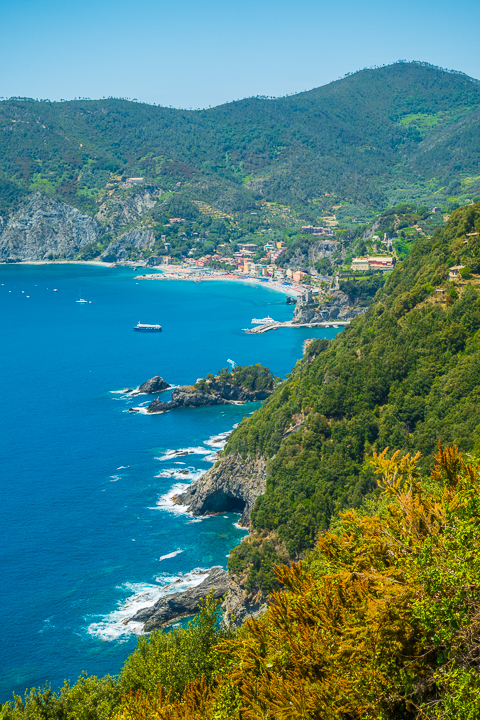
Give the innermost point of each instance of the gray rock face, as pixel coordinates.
(338, 308)
(182, 604)
(239, 605)
(43, 228)
(138, 238)
(154, 385)
(220, 394)
(120, 211)
(233, 485)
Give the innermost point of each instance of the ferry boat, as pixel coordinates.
(145, 327)
(263, 321)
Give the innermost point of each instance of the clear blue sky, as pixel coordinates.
(196, 53)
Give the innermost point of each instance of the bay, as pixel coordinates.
(88, 533)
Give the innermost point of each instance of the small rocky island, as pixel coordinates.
(151, 387)
(249, 383)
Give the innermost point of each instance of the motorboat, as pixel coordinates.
(145, 327)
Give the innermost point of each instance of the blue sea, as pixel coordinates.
(89, 533)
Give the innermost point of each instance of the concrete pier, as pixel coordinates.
(275, 326)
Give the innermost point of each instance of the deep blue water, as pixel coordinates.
(86, 517)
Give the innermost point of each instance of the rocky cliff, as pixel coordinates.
(232, 485)
(42, 228)
(139, 238)
(336, 306)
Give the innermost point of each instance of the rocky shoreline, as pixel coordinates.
(217, 394)
(182, 604)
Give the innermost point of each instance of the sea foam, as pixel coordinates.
(113, 626)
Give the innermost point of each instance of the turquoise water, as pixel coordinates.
(88, 531)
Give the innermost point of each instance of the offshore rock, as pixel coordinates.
(218, 393)
(154, 385)
(184, 603)
(42, 229)
(233, 485)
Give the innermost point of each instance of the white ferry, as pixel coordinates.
(144, 327)
(263, 321)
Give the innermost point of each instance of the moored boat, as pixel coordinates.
(263, 321)
(145, 327)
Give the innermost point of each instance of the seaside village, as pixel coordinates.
(263, 263)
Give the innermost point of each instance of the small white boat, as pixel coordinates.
(81, 300)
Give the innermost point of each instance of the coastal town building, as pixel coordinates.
(134, 181)
(376, 262)
(311, 230)
(360, 264)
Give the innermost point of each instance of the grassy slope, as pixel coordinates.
(404, 375)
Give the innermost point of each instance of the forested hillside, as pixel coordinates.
(407, 125)
(404, 375)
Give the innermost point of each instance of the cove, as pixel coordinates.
(88, 530)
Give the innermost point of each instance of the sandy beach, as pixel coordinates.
(175, 273)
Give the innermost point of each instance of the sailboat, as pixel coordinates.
(80, 299)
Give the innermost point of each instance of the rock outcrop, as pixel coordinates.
(138, 239)
(239, 604)
(122, 210)
(215, 393)
(182, 604)
(45, 229)
(338, 307)
(233, 485)
(154, 385)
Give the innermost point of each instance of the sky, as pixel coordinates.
(201, 53)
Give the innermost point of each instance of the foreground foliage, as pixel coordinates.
(380, 621)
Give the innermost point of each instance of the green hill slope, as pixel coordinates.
(357, 138)
(404, 375)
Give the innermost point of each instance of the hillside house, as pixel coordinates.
(455, 272)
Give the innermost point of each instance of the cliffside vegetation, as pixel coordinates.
(406, 374)
(379, 621)
(248, 377)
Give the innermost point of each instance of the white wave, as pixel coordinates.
(120, 392)
(187, 474)
(123, 467)
(165, 502)
(213, 457)
(218, 441)
(170, 555)
(141, 410)
(240, 527)
(114, 478)
(170, 454)
(135, 392)
(113, 625)
(179, 462)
